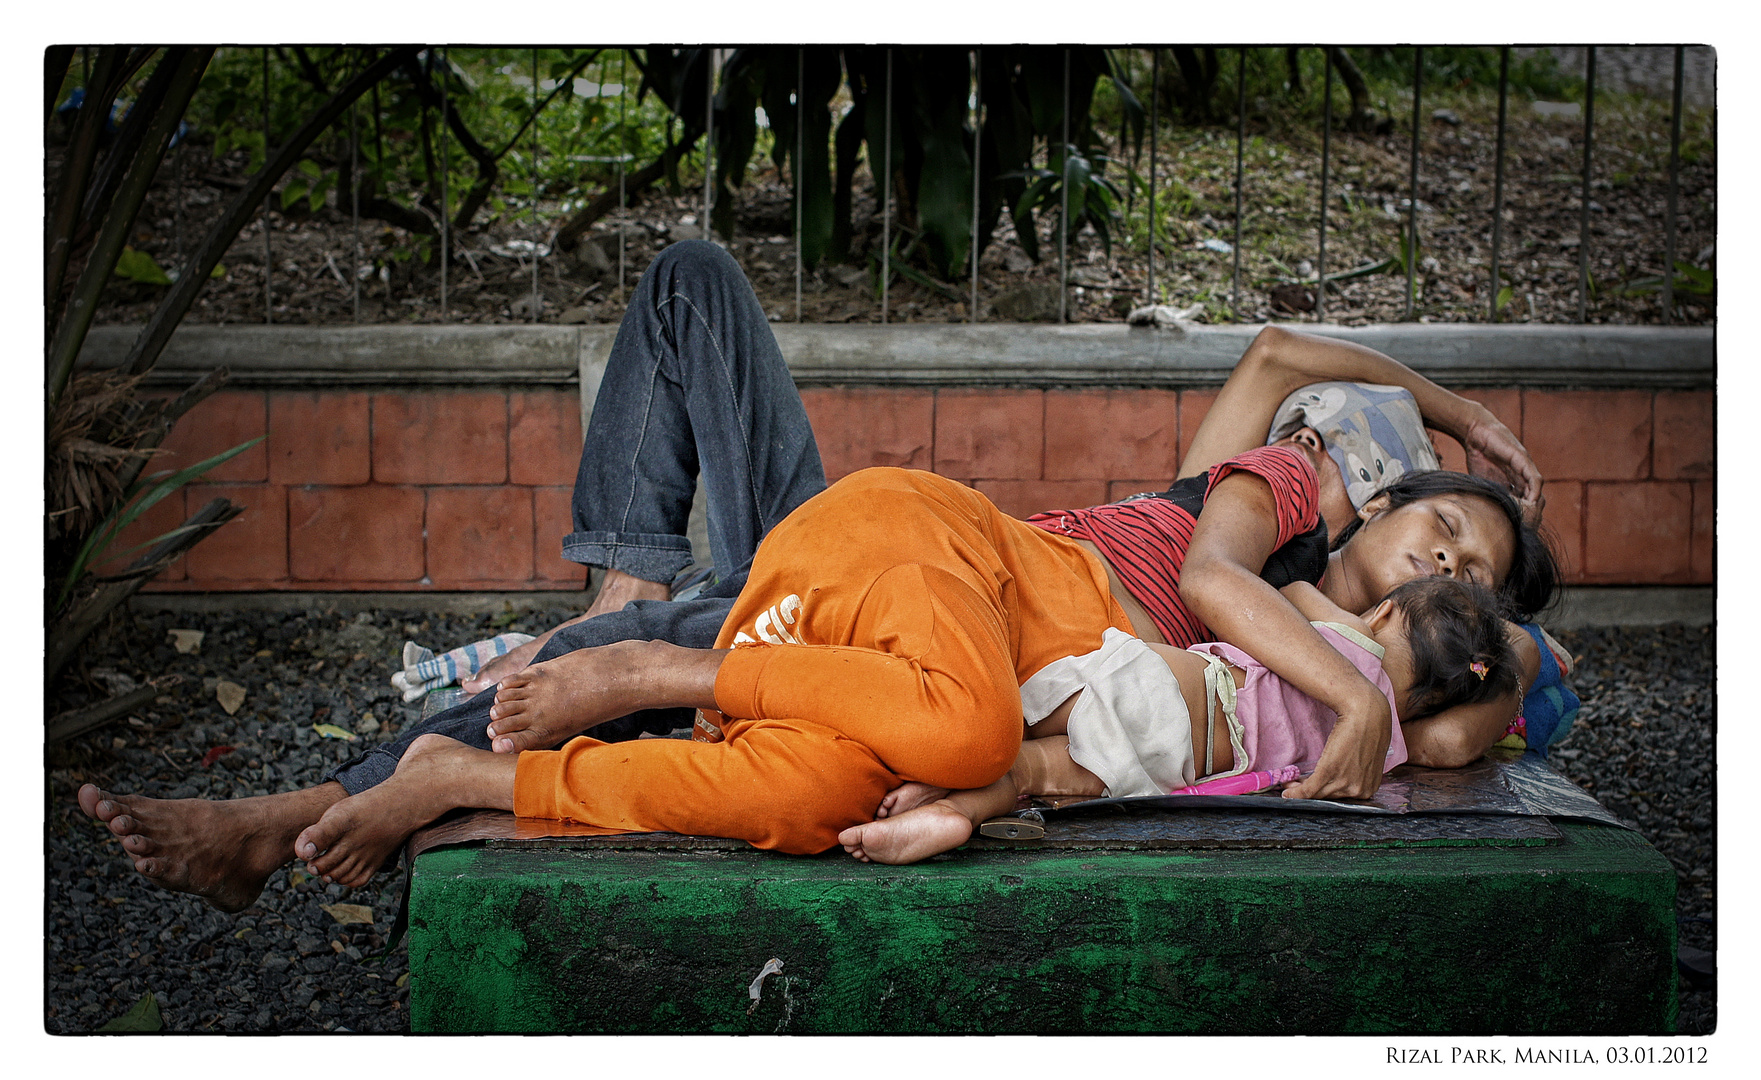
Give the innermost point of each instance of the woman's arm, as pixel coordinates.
(1281, 361)
(1220, 583)
(1315, 606)
(1461, 735)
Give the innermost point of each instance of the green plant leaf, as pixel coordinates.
(310, 168)
(149, 491)
(139, 266)
(1504, 296)
(218, 272)
(143, 1016)
(292, 192)
(1695, 280)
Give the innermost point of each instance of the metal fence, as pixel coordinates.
(540, 236)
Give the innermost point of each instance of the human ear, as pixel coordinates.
(1379, 615)
(1373, 506)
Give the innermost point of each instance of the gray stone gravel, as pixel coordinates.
(283, 964)
(1643, 744)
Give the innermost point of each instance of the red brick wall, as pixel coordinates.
(469, 490)
(427, 490)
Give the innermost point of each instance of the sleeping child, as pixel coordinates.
(1134, 718)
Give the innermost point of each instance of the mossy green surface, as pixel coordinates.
(1570, 938)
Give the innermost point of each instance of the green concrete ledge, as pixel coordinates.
(1570, 938)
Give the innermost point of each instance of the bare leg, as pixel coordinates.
(567, 694)
(221, 850)
(1044, 767)
(436, 774)
(616, 590)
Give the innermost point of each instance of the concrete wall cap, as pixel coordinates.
(929, 354)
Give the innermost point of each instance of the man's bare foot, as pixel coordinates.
(514, 660)
(909, 837)
(616, 590)
(906, 797)
(565, 695)
(222, 850)
(436, 774)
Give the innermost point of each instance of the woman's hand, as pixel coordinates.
(1495, 453)
(1351, 763)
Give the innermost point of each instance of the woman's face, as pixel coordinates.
(1459, 536)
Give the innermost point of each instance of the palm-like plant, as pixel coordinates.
(102, 433)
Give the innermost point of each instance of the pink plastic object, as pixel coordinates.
(1242, 783)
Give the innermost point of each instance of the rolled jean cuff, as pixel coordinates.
(649, 556)
(364, 770)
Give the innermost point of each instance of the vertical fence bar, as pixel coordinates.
(379, 166)
(355, 206)
(268, 245)
(977, 133)
(1584, 207)
(1064, 202)
(623, 152)
(1326, 158)
(1498, 178)
(1240, 149)
(887, 192)
(445, 202)
(1412, 198)
(1675, 146)
(708, 138)
(795, 172)
(1155, 70)
(177, 203)
(537, 229)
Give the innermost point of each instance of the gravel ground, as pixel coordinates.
(1643, 744)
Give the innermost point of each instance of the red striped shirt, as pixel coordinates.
(1145, 539)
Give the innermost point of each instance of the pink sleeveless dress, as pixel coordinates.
(1283, 726)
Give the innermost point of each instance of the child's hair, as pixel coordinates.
(1460, 655)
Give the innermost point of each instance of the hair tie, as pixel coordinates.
(1478, 668)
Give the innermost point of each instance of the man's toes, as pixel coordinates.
(122, 824)
(324, 864)
(517, 741)
(90, 795)
(136, 844)
(311, 842)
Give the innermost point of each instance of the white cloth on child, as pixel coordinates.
(1130, 727)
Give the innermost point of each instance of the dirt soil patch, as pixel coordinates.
(490, 277)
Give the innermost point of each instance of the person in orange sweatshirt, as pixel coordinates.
(881, 638)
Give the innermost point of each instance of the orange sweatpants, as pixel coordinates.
(882, 636)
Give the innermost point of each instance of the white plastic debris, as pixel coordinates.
(771, 967)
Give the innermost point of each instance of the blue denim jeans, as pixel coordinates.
(695, 387)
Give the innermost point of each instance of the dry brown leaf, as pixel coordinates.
(349, 913)
(230, 695)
